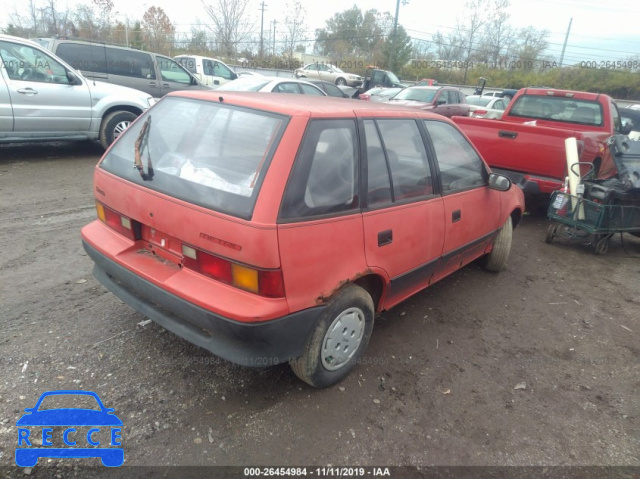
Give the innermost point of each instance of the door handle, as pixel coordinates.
(152, 83)
(507, 134)
(385, 237)
(28, 91)
(456, 216)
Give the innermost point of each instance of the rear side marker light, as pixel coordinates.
(269, 283)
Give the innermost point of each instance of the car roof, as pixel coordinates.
(314, 106)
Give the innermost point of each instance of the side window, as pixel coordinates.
(89, 58)
(499, 105)
(460, 166)
(309, 90)
(172, 71)
(407, 157)
(443, 99)
(219, 70)
(130, 63)
(26, 63)
(311, 67)
(324, 179)
(379, 182)
(286, 88)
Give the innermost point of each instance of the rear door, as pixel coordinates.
(403, 217)
(41, 96)
(471, 208)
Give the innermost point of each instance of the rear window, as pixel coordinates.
(210, 154)
(558, 108)
(416, 94)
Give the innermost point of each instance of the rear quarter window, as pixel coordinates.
(90, 58)
(130, 63)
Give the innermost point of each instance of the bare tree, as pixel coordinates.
(498, 34)
(294, 24)
(230, 24)
(38, 20)
(471, 30)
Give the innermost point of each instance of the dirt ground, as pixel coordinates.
(536, 366)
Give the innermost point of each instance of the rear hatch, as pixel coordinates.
(181, 185)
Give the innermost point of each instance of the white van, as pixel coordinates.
(210, 71)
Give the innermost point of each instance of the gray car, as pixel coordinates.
(152, 73)
(44, 99)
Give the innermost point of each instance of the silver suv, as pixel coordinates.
(44, 99)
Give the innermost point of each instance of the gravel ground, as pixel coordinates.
(536, 366)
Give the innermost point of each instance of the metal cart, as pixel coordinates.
(608, 206)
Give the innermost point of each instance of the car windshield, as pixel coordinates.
(206, 153)
(416, 94)
(248, 83)
(336, 69)
(479, 101)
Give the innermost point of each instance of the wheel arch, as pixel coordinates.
(375, 285)
(130, 108)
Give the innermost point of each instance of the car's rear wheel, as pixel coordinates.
(338, 340)
(113, 125)
(496, 260)
(341, 81)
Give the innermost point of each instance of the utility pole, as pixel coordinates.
(262, 5)
(395, 31)
(566, 39)
(274, 37)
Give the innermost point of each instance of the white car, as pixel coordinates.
(273, 85)
(330, 73)
(486, 106)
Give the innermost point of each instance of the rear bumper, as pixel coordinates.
(259, 344)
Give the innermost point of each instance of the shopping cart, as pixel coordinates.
(579, 219)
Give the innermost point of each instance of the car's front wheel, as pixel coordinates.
(338, 340)
(496, 260)
(341, 81)
(113, 125)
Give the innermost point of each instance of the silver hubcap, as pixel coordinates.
(120, 127)
(342, 339)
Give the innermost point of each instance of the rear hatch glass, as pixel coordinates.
(211, 154)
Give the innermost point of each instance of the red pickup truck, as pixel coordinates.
(527, 143)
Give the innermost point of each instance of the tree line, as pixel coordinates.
(482, 43)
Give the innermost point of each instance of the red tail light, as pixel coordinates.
(269, 283)
(480, 113)
(117, 222)
(364, 96)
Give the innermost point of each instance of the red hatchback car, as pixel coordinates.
(268, 229)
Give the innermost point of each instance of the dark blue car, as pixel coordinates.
(105, 417)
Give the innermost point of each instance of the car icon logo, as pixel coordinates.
(70, 424)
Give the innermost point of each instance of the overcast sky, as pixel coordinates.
(601, 30)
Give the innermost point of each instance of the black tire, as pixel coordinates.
(341, 81)
(551, 232)
(496, 260)
(349, 316)
(113, 125)
(600, 244)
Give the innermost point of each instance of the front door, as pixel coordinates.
(471, 208)
(42, 97)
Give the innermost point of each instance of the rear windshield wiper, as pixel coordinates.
(141, 142)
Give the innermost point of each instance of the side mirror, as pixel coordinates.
(499, 182)
(442, 101)
(627, 127)
(73, 79)
(234, 75)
